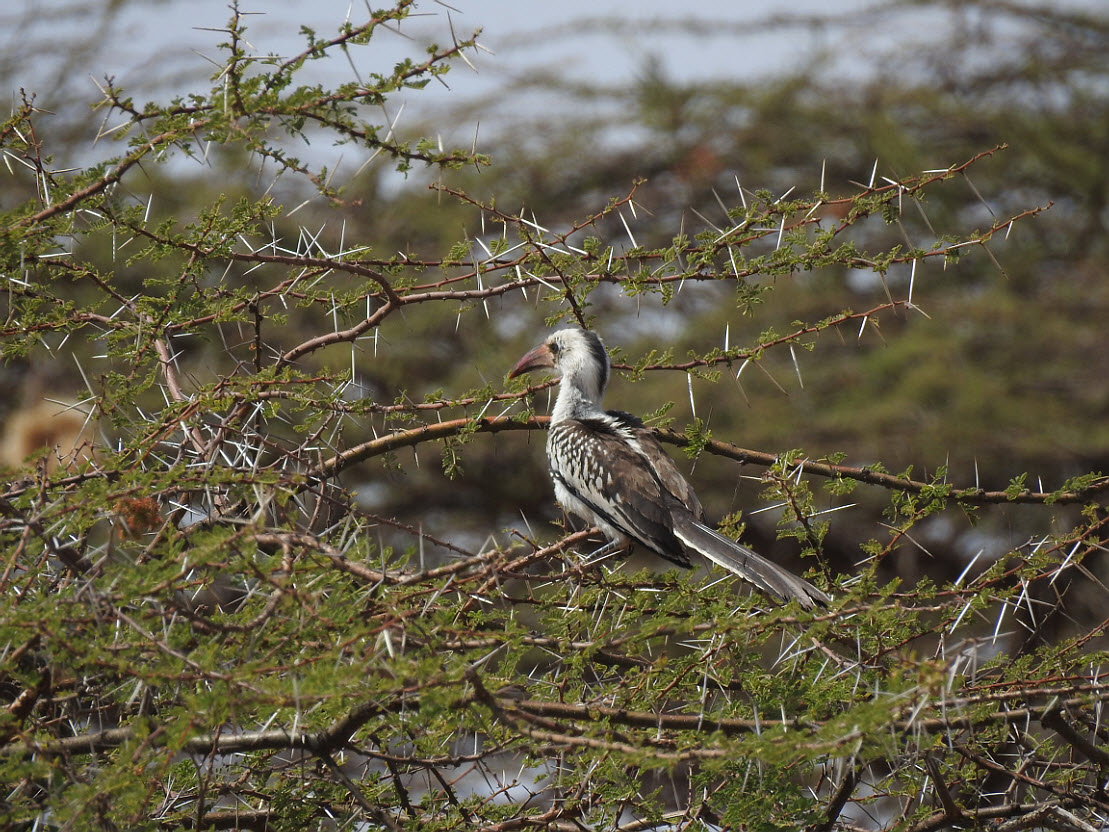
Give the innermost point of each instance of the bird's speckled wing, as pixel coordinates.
(615, 467)
(598, 462)
(667, 472)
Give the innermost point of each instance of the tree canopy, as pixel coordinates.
(279, 551)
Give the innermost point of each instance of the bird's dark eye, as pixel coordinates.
(554, 347)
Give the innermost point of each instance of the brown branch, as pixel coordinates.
(375, 812)
(259, 819)
(941, 820)
(414, 436)
(952, 810)
(290, 64)
(330, 739)
(443, 430)
(734, 726)
(339, 734)
(1055, 720)
(839, 799)
(970, 496)
(101, 184)
(339, 336)
(302, 260)
(1021, 777)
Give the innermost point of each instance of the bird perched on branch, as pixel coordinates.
(609, 470)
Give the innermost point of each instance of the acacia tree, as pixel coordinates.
(207, 624)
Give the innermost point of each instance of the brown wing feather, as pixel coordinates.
(660, 461)
(631, 491)
(668, 473)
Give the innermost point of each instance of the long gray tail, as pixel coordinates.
(751, 566)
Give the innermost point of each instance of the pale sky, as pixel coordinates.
(581, 40)
(159, 47)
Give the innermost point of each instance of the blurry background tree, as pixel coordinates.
(277, 540)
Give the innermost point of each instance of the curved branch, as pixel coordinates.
(455, 427)
(414, 436)
(103, 183)
(967, 495)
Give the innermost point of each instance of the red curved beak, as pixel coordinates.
(537, 358)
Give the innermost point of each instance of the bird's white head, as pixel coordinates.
(578, 356)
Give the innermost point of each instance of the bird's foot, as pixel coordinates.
(609, 550)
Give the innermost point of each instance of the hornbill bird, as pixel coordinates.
(609, 470)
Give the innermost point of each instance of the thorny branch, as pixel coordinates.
(205, 587)
(455, 427)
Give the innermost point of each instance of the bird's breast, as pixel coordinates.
(580, 460)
